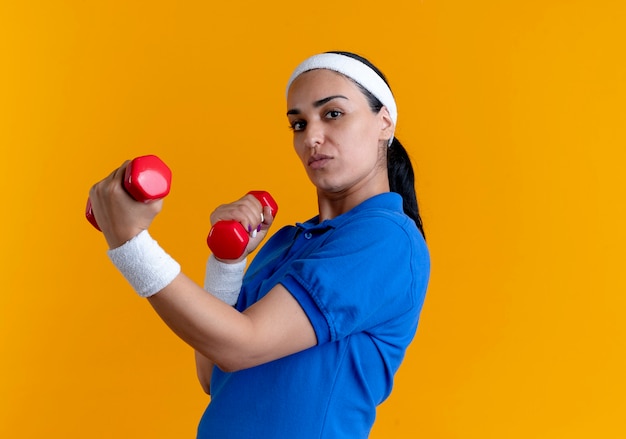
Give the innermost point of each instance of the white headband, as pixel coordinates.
(355, 70)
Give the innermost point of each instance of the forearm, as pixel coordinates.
(204, 370)
(214, 329)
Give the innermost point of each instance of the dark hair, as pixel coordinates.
(399, 167)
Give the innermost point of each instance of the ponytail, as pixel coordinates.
(402, 181)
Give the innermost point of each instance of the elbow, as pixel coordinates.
(205, 381)
(238, 351)
(237, 360)
(228, 363)
(231, 365)
(206, 386)
(237, 357)
(227, 367)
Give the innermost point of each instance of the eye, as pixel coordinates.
(297, 125)
(333, 114)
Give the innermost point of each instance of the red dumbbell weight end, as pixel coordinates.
(229, 239)
(147, 178)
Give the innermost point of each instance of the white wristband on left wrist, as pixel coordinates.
(224, 280)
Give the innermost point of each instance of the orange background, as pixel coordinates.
(514, 115)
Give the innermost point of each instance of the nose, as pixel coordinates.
(314, 135)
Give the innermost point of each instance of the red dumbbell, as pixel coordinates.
(228, 239)
(147, 178)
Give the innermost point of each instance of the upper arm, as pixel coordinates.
(279, 327)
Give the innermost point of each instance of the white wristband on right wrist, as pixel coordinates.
(224, 280)
(146, 266)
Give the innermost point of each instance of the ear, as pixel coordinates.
(387, 127)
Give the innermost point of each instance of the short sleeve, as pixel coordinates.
(366, 273)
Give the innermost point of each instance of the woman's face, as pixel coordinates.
(340, 141)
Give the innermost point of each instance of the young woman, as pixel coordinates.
(306, 345)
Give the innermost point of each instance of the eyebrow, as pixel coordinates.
(318, 103)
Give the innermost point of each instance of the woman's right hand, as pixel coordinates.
(118, 215)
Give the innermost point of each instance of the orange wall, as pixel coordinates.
(513, 113)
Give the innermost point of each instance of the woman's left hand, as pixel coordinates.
(253, 217)
(118, 215)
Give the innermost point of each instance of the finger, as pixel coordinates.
(248, 211)
(119, 173)
(268, 216)
(103, 189)
(253, 210)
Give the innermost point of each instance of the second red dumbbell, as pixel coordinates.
(229, 239)
(147, 178)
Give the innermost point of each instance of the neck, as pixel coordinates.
(333, 204)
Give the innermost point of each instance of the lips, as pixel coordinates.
(318, 160)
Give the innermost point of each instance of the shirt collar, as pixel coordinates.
(388, 200)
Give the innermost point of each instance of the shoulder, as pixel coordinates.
(381, 224)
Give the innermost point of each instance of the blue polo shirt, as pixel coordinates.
(361, 279)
